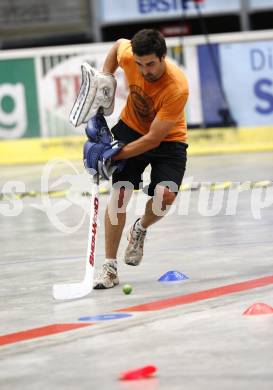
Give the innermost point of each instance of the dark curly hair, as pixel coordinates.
(148, 41)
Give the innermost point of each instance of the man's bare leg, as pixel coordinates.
(113, 234)
(115, 217)
(114, 221)
(156, 208)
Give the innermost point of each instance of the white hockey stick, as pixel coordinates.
(83, 288)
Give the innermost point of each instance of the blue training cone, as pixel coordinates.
(172, 276)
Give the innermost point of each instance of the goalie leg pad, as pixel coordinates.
(97, 93)
(86, 96)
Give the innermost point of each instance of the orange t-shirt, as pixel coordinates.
(164, 98)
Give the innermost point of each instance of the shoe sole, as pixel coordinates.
(101, 286)
(132, 264)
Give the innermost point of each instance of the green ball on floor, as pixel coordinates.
(127, 289)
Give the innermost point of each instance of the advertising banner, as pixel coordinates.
(19, 115)
(260, 4)
(114, 11)
(247, 74)
(38, 89)
(212, 98)
(238, 76)
(39, 86)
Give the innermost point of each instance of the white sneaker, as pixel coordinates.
(134, 250)
(107, 277)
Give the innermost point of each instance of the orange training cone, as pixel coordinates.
(258, 309)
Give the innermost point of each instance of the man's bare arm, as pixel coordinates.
(111, 62)
(158, 131)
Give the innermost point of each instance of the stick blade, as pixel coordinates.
(71, 291)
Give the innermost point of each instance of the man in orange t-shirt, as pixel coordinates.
(153, 128)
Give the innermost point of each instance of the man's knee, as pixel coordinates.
(169, 196)
(120, 198)
(163, 199)
(165, 194)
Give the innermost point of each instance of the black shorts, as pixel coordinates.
(168, 162)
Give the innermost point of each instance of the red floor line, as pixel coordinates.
(201, 295)
(39, 332)
(152, 306)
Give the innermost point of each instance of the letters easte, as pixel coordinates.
(147, 6)
(94, 231)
